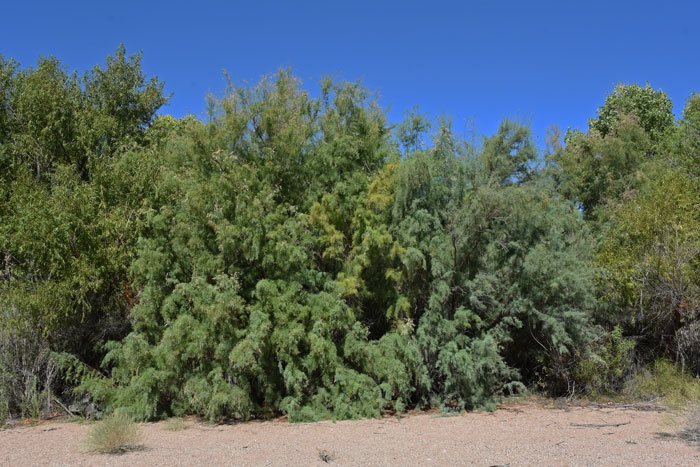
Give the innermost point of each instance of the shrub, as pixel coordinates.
(604, 370)
(115, 434)
(27, 375)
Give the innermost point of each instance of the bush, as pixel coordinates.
(115, 434)
(27, 376)
(605, 369)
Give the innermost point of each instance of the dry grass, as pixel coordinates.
(667, 382)
(175, 424)
(113, 435)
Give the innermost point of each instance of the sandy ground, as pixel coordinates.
(525, 434)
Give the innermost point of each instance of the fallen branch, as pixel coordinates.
(595, 425)
(64, 407)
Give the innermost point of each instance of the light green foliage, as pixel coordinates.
(650, 255)
(651, 251)
(73, 189)
(113, 435)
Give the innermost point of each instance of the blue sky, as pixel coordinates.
(547, 62)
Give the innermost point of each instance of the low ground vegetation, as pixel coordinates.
(175, 424)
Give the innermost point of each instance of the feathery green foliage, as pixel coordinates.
(399, 283)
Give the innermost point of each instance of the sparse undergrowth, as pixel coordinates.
(676, 389)
(667, 382)
(115, 434)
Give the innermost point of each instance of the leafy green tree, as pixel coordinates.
(76, 170)
(599, 166)
(653, 109)
(651, 256)
(634, 175)
(598, 169)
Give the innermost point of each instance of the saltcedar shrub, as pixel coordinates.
(379, 283)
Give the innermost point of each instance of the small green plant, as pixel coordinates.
(114, 434)
(175, 424)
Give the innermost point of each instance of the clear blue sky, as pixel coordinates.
(550, 62)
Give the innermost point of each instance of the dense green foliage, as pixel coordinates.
(639, 186)
(74, 171)
(297, 255)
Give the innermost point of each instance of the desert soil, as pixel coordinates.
(524, 434)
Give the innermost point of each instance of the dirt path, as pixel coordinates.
(519, 435)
